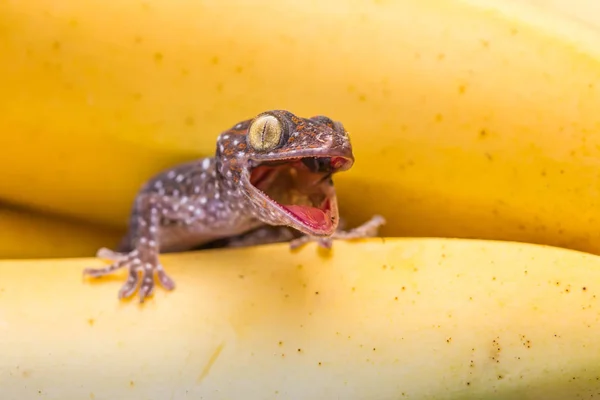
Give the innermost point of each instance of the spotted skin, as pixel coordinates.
(210, 202)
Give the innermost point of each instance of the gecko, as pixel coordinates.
(269, 181)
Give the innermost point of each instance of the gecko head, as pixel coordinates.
(289, 164)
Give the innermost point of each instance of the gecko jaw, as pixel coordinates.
(299, 191)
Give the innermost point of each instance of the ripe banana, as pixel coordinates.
(422, 319)
(469, 118)
(27, 234)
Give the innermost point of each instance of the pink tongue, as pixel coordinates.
(310, 216)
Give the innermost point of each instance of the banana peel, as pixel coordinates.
(423, 318)
(33, 235)
(472, 119)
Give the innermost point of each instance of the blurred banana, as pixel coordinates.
(469, 118)
(422, 319)
(27, 234)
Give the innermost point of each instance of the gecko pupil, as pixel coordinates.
(317, 164)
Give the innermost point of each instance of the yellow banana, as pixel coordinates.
(423, 319)
(26, 234)
(469, 118)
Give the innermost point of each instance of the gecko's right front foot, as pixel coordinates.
(141, 272)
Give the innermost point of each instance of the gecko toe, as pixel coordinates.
(99, 272)
(325, 243)
(94, 272)
(116, 265)
(130, 286)
(146, 288)
(145, 292)
(165, 280)
(107, 254)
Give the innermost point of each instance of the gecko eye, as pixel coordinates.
(265, 133)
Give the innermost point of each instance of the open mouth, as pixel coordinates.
(302, 188)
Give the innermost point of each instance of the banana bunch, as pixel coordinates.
(469, 119)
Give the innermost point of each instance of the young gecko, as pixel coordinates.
(269, 181)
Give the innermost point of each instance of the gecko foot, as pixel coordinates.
(141, 272)
(368, 229)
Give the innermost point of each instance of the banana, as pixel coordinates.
(28, 234)
(468, 118)
(423, 319)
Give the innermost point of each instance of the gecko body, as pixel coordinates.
(269, 181)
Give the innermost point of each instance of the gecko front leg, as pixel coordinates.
(142, 261)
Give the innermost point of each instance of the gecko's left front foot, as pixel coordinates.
(142, 270)
(368, 229)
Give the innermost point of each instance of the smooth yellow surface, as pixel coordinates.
(26, 234)
(423, 319)
(469, 118)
